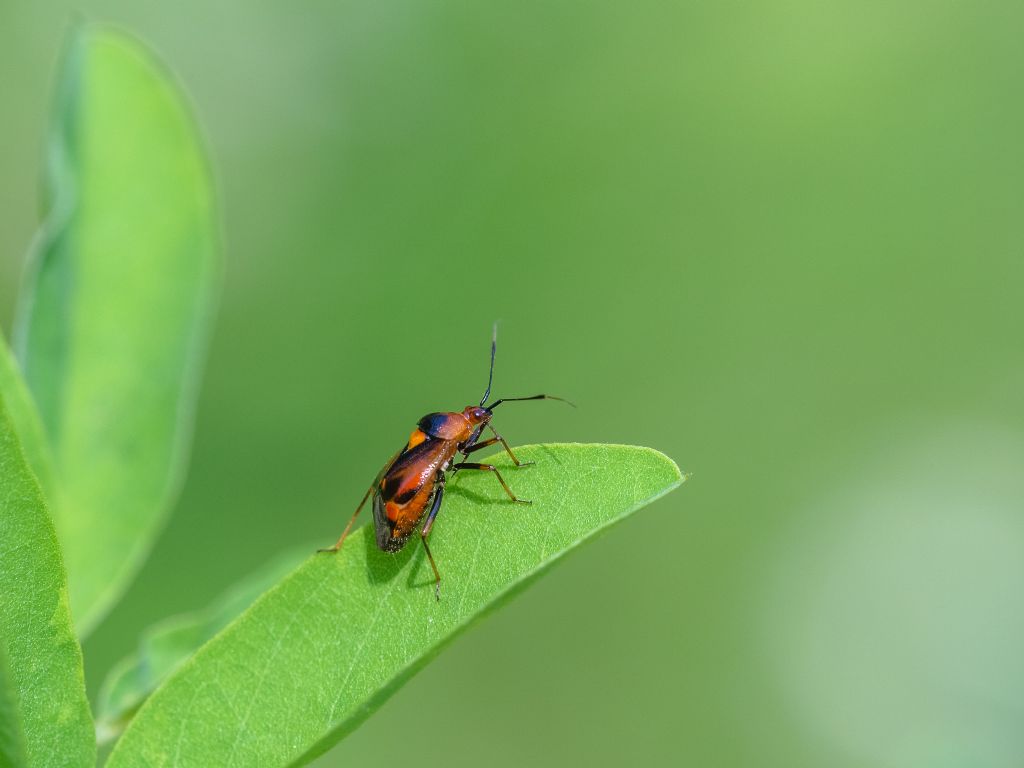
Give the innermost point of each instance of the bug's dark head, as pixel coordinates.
(477, 415)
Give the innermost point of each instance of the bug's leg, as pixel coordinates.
(425, 531)
(497, 474)
(476, 435)
(477, 446)
(497, 439)
(341, 539)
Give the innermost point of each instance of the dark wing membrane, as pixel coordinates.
(384, 527)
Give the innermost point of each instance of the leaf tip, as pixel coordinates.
(668, 463)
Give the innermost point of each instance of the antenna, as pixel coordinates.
(490, 376)
(496, 403)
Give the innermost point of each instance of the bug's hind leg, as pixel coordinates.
(497, 474)
(425, 532)
(344, 534)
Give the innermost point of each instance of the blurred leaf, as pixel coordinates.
(318, 653)
(117, 306)
(46, 691)
(25, 419)
(166, 645)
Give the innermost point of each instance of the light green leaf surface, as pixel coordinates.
(46, 690)
(22, 412)
(165, 646)
(115, 309)
(315, 655)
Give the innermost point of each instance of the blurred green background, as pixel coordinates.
(781, 242)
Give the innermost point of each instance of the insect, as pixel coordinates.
(413, 481)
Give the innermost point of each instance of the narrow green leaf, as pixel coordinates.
(315, 655)
(46, 693)
(116, 306)
(25, 418)
(165, 646)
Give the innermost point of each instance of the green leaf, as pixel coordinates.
(315, 655)
(45, 690)
(22, 412)
(165, 646)
(12, 736)
(116, 306)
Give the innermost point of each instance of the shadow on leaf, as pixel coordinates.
(383, 566)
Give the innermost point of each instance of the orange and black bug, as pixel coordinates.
(414, 478)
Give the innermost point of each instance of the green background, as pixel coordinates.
(781, 242)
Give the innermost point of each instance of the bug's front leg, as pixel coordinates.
(491, 441)
(425, 532)
(497, 474)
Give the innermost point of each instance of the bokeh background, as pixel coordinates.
(781, 242)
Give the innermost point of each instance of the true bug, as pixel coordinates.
(414, 479)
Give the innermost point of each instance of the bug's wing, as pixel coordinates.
(384, 526)
(381, 527)
(403, 491)
(394, 522)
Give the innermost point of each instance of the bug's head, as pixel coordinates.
(477, 415)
